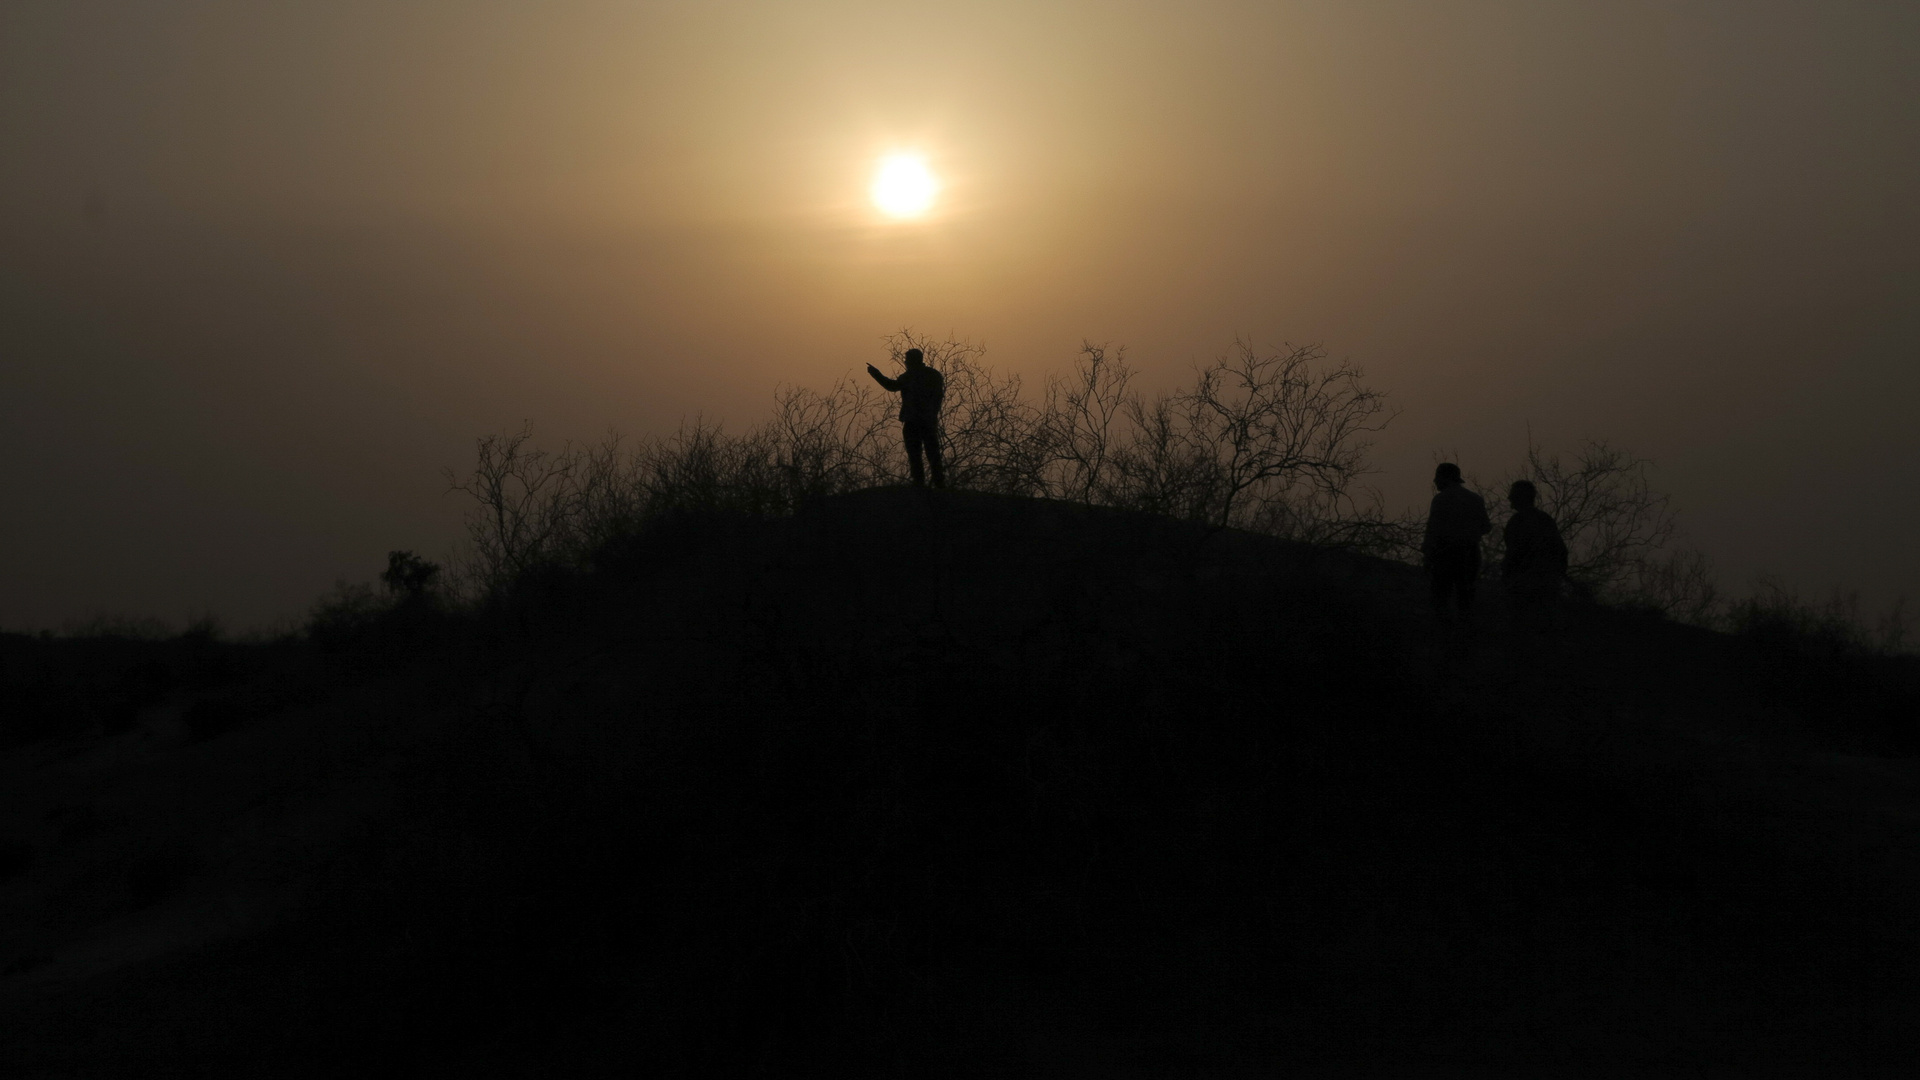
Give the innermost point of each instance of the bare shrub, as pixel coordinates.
(832, 442)
(535, 508)
(1611, 518)
(1680, 585)
(1154, 471)
(1282, 435)
(528, 502)
(1618, 529)
(1621, 533)
(1892, 631)
(1622, 538)
(700, 468)
(1358, 521)
(101, 625)
(1777, 613)
(345, 614)
(409, 578)
(1082, 421)
(1271, 442)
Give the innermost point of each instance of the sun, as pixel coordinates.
(903, 186)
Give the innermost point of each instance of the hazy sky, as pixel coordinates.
(265, 269)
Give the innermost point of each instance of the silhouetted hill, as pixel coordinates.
(962, 785)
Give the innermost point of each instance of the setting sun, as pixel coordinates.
(904, 186)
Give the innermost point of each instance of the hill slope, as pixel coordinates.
(955, 786)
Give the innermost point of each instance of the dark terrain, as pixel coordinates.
(966, 786)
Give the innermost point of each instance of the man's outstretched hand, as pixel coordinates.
(871, 370)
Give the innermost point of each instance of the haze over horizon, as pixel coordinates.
(267, 270)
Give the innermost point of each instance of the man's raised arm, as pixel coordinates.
(890, 384)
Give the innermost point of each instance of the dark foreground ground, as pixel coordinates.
(976, 787)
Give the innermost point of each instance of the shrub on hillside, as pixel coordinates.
(1779, 615)
(1621, 535)
(409, 578)
(102, 625)
(345, 614)
(412, 598)
(1620, 531)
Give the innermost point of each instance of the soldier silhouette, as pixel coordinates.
(1456, 520)
(1536, 559)
(921, 390)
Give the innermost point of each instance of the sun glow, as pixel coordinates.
(904, 187)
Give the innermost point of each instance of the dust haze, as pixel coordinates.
(266, 270)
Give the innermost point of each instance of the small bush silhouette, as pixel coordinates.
(1778, 615)
(345, 614)
(1622, 532)
(408, 577)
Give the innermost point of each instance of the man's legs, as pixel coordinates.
(924, 437)
(912, 456)
(1469, 577)
(914, 468)
(932, 439)
(1453, 575)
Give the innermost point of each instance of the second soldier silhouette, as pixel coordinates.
(1536, 559)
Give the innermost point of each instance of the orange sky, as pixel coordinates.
(266, 269)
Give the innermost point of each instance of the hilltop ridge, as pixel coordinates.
(954, 783)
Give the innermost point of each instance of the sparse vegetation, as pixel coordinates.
(1616, 525)
(345, 613)
(125, 627)
(1778, 615)
(1625, 549)
(409, 578)
(1621, 531)
(1271, 442)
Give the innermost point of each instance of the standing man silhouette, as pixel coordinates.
(1536, 559)
(1456, 520)
(921, 390)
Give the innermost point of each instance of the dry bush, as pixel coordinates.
(1088, 418)
(1838, 625)
(1618, 529)
(1622, 540)
(534, 508)
(1272, 442)
(1612, 519)
(346, 613)
(834, 441)
(102, 625)
(528, 500)
(1278, 434)
(1680, 585)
